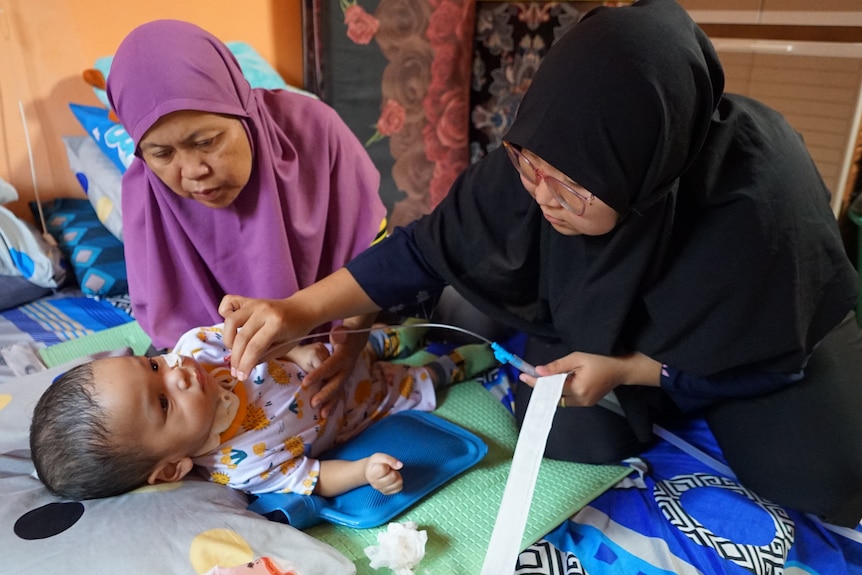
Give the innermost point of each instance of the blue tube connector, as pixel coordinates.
(505, 356)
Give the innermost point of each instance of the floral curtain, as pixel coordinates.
(428, 85)
(398, 73)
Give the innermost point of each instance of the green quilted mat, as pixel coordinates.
(460, 516)
(128, 334)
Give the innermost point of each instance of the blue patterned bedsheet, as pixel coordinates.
(54, 319)
(682, 511)
(686, 517)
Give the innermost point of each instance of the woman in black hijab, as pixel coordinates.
(655, 237)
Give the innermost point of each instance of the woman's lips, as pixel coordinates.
(205, 194)
(552, 219)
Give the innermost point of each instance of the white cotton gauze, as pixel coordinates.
(173, 360)
(400, 548)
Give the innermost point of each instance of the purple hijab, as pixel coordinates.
(311, 203)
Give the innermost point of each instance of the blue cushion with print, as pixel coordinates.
(112, 137)
(95, 254)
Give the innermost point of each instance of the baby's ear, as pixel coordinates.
(167, 471)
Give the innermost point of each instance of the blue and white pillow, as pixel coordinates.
(96, 256)
(24, 253)
(100, 180)
(112, 137)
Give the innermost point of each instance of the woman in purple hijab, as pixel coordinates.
(233, 190)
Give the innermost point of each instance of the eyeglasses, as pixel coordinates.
(565, 194)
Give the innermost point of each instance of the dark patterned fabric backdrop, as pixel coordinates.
(510, 39)
(428, 85)
(398, 73)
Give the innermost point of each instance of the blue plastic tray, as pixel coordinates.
(432, 449)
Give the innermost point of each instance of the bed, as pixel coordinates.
(675, 509)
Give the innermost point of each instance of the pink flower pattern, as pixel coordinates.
(361, 26)
(425, 93)
(391, 121)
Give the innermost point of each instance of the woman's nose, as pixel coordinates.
(193, 167)
(543, 193)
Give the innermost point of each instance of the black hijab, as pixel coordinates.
(727, 253)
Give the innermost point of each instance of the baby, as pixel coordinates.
(112, 425)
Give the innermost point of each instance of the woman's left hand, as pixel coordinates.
(591, 376)
(334, 371)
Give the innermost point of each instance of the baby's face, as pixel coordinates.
(168, 411)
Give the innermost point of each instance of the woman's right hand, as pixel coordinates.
(257, 330)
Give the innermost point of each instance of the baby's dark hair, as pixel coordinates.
(73, 450)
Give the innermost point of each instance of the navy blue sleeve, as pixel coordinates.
(396, 276)
(691, 393)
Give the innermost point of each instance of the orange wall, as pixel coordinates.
(46, 44)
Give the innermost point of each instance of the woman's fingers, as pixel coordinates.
(253, 332)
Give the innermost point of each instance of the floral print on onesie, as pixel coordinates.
(276, 435)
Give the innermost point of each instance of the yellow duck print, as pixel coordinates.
(232, 457)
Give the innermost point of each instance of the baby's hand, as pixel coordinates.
(381, 471)
(308, 357)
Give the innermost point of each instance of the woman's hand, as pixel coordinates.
(335, 370)
(270, 329)
(591, 376)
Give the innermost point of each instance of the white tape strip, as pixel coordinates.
(505, 544)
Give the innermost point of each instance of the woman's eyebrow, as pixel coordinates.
(145, 145)
(209, 132)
